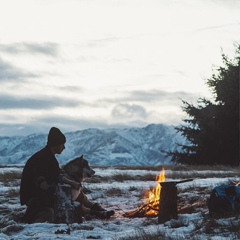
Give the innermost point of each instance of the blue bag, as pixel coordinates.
(224, 200)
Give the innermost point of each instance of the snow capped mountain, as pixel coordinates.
(111, 147)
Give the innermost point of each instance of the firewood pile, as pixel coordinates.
(145, 210)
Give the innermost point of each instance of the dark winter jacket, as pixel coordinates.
(41, 164)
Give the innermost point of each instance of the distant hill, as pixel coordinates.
(124, 146)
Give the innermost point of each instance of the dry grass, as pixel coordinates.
(176, 168)
(114, 192)
(190, 195)
(172, 172)
(158, 235)
(10, 176)
(13, 193)
(122, 177)
(12, 229)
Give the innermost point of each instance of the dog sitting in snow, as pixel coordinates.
(74, 173)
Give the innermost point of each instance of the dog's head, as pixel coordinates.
(79, 169)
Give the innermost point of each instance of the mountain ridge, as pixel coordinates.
(112, 147)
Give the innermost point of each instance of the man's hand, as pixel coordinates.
(41, 183)
(44, 186)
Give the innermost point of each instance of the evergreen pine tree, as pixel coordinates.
(212, 127)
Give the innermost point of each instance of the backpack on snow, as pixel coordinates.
(224, 200)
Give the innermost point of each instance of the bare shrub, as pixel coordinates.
(12, 229)
(142, 234)
(114, 192)
(122, 177)
(148, 177)
(96, 179)
(13, 193)
(132, 188)
(177, 223)
(181, 168)
(6, 177)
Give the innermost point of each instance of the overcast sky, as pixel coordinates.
(78, 64)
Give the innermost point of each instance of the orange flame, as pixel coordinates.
(154, 195)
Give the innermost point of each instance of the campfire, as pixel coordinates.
(166, 207)
(154, 196)
(151, 207)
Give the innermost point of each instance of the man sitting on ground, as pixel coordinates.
(39, 179)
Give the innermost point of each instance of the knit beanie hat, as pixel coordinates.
(55, 137)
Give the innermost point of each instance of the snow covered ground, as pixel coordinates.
(123, 190)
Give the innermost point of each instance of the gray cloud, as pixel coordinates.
(163, 97)
(67, 123)
(10, 73)
(71, 88)
(43, 124)
(50, 49)
(128, 111)
(125, 111)
(40, 102)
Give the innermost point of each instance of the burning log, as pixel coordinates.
(139, 212)
(149, 209)
(142, 211)
(162, 202)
